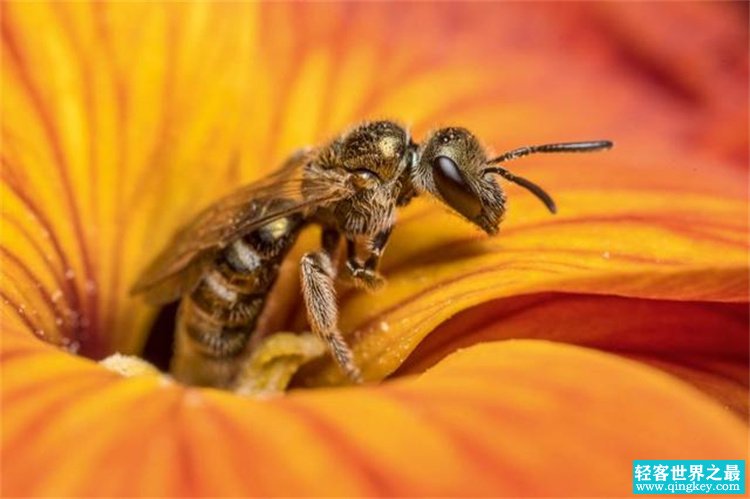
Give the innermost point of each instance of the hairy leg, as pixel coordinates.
(317, 277)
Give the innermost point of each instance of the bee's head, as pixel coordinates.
(453, 167)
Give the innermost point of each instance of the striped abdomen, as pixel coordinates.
(216, 320)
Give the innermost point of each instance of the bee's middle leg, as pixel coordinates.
(317, 276)
(363, 259)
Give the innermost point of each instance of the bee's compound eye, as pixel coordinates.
(365, 178)
(453, 188)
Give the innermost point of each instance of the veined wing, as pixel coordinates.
(177, 269)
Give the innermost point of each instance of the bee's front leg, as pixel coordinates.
(364, 276)
(363, 259)
(317, 277)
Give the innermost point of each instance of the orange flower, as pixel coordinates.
(616, 330)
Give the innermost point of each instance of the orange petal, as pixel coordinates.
(486, 421)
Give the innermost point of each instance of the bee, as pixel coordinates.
(223, 264)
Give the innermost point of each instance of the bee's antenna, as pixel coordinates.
(596, 145)
(527, 184)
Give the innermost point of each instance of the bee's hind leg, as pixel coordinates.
(317, 277)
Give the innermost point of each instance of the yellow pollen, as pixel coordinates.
(277, 228)
(388, 146)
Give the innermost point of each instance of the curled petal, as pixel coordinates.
(704, 343)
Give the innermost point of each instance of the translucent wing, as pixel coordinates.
(177, 269)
